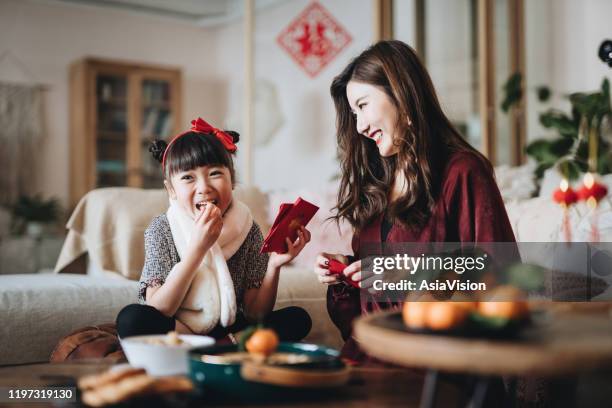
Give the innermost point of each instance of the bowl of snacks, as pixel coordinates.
(261, 368)
(162, 354)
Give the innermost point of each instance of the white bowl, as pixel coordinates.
(162, 359)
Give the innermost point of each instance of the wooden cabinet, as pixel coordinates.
(116, 110)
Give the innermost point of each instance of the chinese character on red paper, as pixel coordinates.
(314, 38)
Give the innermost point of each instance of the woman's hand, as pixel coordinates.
(321, 267)
(294, 248)
(208, 225)
(353, 272)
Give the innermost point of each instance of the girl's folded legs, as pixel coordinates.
(137, 319)
(291, 323)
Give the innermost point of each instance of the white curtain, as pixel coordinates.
(21, 137)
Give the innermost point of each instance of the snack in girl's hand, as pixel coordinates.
(337, 268)
(288, 221)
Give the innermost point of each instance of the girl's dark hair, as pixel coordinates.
(194, 149)
(426, 140)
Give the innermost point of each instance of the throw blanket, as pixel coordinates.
(108, 225)
(211, 297)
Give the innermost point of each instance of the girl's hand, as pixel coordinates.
(208, 225)
(321, 268)
(294, 248)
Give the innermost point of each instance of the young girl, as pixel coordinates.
(203, 271)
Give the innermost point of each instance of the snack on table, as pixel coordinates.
(112, 387)
(113, 393)
(108, 377)
(171, 339)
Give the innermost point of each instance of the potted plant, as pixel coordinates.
(590, 115)
(590, 112)
(33, 213)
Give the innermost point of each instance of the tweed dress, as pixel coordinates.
(247, 266)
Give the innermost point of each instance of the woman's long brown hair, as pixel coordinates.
(425, 141)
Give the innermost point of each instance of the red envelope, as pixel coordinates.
(286, 224)
(336, 268)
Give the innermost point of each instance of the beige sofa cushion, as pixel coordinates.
(37, 310)
(300, 287)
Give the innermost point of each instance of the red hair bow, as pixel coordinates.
(201, 126)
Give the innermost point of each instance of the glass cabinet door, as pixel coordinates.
(111, 130)
(157, 123)
(116, 110)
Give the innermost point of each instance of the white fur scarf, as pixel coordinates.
(211, 297)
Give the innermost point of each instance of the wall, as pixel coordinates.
(563, 37)
(302, 152)
(48, 37)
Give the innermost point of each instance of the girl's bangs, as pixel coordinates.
(195, 150)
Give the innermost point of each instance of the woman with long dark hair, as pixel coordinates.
(407, 174)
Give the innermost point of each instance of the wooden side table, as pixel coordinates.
(554, 347)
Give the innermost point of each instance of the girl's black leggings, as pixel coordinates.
(291, 323)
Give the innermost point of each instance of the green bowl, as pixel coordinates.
(219, 380)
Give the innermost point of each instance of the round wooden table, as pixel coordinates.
(555, 345)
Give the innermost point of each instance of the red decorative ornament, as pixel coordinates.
(314, 38)
(592, 191)
(566, 197)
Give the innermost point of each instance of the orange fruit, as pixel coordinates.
(464, 300)
(504, 301)
(415, 314)
(437, 315)
(263, 342)
(446, 315)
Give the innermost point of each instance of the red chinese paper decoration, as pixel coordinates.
(592, 192)
(314, 38)
(565, 196)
